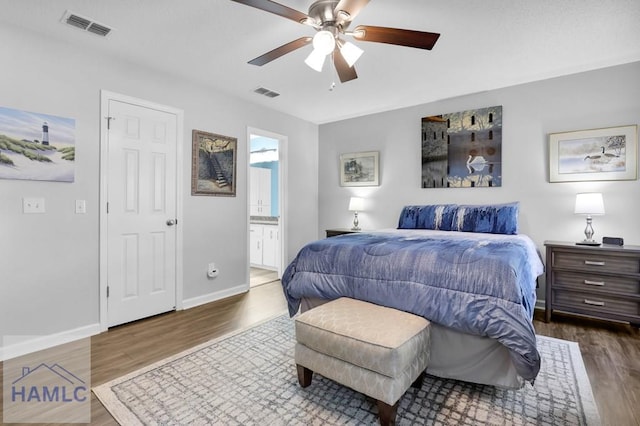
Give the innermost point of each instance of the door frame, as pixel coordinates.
(282, 195)
(105, 97)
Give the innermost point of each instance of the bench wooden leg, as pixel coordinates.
(418, 382)
(387, 413)
(304, 376)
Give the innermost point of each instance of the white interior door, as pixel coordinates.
(142, 215)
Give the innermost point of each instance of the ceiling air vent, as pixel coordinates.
(84, 23)
(266, 92)
(98, 29)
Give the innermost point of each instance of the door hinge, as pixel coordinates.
(107, 291)
(107, 208)
(109, 122)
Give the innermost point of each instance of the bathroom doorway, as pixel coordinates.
(266, 218)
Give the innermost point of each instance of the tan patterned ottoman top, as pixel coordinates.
(378, 338)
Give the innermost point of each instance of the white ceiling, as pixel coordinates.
(483, 45)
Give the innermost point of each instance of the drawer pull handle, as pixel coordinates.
(593, 302)
(594, 263)
(589, 282)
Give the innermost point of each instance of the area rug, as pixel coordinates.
(249, 378)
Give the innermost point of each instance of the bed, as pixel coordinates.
(464, 268)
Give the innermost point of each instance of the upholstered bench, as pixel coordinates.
(372, 349)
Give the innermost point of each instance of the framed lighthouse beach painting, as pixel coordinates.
(36, 146)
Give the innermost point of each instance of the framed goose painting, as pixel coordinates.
(594, 155)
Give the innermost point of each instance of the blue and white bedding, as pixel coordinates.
(476, 283)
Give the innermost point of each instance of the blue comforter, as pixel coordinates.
(481, 284)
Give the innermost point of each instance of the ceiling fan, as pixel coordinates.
(331, 18)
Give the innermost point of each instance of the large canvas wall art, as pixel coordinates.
(36, 146)
(462, 149)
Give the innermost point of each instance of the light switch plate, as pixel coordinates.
(33, 205)
(81, 206)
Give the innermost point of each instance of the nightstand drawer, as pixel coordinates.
(588, 282)
(596, 304)
(596, 262)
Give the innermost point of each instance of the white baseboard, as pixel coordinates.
(39, 343)
(212, 297)
(540, 304)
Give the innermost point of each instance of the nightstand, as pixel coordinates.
(339, 231)
(599, 282)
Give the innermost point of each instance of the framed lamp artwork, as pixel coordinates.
(593, 155)
(360, 169)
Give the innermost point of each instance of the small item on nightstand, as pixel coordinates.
(613, 241)
(587, 243)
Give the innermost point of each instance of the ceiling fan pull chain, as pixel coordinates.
(333, 74)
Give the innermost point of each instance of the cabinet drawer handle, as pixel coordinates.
(593, 302)
(589, 282)
(594, 263)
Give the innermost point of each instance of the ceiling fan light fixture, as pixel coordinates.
(350, 52)
(315, 60)
(324, 42)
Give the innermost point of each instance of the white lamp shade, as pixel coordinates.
(356, 204)
(315, 60)
(324, 42)
(589, 203)
(350, 52)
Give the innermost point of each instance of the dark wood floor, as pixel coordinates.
(611, 352)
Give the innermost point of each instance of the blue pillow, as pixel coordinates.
(409, 217)
(439, 216)
(506, 219)
(493, 218)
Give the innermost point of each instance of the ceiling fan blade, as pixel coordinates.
(280, 51)
(345, 72)
(351, 7)
(276, 8)
(410, 38)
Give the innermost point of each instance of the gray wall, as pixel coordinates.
(602, 98)
(49, 263)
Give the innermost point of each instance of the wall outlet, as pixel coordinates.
(212, 271)
(33, 205)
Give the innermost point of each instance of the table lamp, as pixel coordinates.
(356, 204)
(590, 204)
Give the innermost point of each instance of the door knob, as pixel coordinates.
(171, 222)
